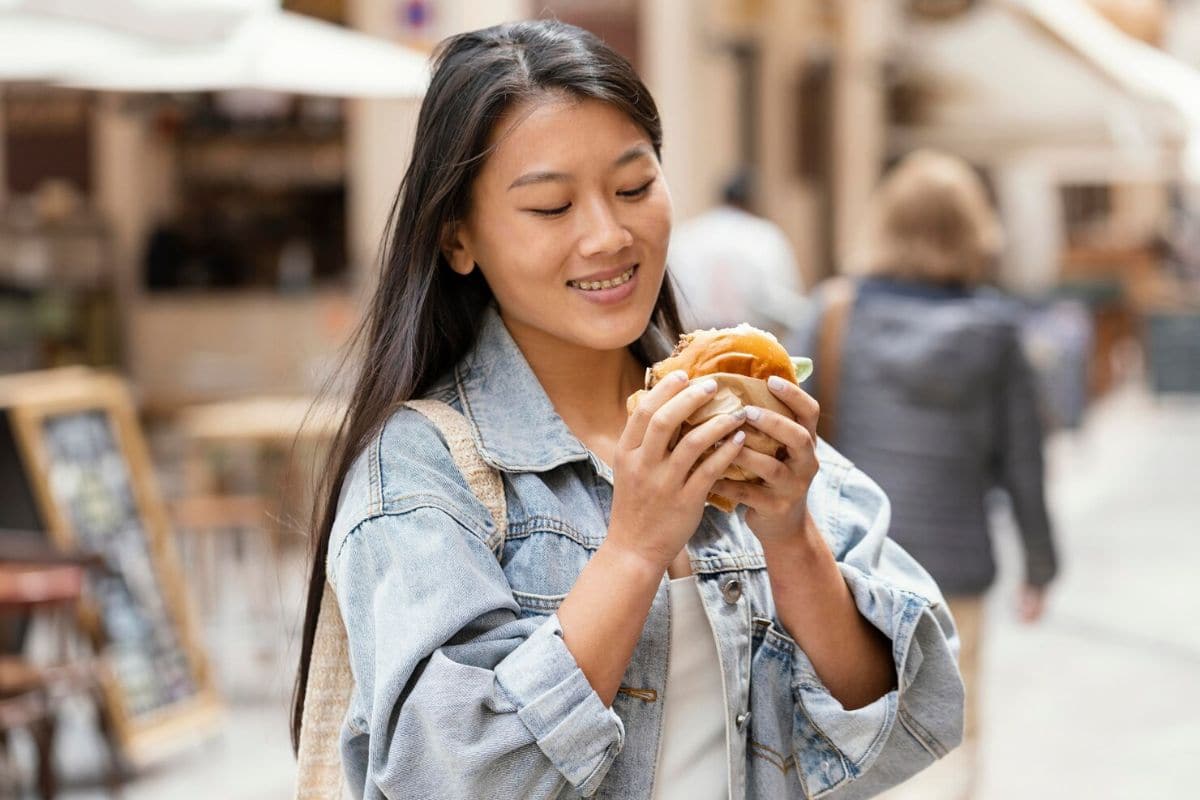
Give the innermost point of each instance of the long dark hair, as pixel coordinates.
(423, 316)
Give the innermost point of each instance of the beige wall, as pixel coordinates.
(379, 137)
(787, 34)
(134, 180)
(695, 85)
(196, 348)
(861, 138)
(3, 152)
(380, 132)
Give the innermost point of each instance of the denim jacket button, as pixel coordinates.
(742, 720)
(732, 591)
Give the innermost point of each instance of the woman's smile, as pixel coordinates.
(607, 291)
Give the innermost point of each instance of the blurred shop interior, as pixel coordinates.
(211, 246)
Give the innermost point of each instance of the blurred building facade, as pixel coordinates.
(817, 97)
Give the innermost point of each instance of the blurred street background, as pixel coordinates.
(192, 194)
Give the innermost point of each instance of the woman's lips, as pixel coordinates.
(614, 294)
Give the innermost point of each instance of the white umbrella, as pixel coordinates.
(1139, 67)
(198, 45)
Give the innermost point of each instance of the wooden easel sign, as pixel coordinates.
(87, 461)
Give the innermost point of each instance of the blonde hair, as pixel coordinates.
(929, 220)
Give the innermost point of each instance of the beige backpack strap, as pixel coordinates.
(330, 681)
(326, 698)
(830, 342)
(484, 481)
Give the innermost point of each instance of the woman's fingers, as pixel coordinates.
(755, 496)
(701, 481)
(798, 438)
(649, 402)
(693, 445)
(672, 414)
(773, 471)
(800, 402)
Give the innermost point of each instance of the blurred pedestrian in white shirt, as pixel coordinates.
(732, 266)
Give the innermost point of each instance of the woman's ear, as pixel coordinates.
(454, 248)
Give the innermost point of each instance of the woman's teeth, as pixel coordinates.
(592, 286)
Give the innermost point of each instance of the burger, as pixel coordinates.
(740, 359)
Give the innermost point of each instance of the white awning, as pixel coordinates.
(1139, 68)
(1012, 74)
(198, 45)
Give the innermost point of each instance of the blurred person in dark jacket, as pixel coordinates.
(928, 392)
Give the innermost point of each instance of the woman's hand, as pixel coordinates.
(1031, 603)
(658, 492)
(778, 509)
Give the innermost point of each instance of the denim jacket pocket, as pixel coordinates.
(790, 754)
(538, 605)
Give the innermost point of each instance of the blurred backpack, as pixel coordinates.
(839, 292)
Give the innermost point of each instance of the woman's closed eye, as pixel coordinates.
(639, 191)
(630, 194)
(550, 212)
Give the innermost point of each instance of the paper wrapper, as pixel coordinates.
(733, 392)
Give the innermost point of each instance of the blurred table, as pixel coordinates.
(289, 432)
(266, 420)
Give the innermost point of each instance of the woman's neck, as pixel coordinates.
(588, 388)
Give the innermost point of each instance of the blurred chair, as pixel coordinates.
(37, 581)
(248, 470)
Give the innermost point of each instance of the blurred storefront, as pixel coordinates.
(205, 243)
(228, 237)
(218, 244)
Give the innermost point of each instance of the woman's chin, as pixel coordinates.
(615, 334)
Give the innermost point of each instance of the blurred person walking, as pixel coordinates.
(923, 384)
(733, 266)
(517, 588)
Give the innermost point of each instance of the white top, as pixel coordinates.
(731, 267)
(692, 763)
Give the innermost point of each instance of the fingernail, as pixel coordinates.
(776, 382)
(754, 413)
(709, 386)
(678, 376)
(739, 437)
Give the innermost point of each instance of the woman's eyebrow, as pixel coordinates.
(632, 154)
(539, 177)
(542, 176)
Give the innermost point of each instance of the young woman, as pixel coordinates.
(628, 642)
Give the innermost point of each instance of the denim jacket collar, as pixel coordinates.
(514, 423)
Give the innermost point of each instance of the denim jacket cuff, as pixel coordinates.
(859, 735)
(572, 726)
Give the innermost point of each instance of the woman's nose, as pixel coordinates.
(603, 232)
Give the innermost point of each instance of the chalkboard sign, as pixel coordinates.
(88, 464)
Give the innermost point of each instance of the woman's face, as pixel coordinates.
(572, 195)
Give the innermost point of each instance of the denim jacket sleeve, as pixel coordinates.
(863, 751)
(456, 694)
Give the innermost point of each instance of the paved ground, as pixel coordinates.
(1102, 700)
(1099, 701)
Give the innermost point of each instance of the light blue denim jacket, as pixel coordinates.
(464, 687)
